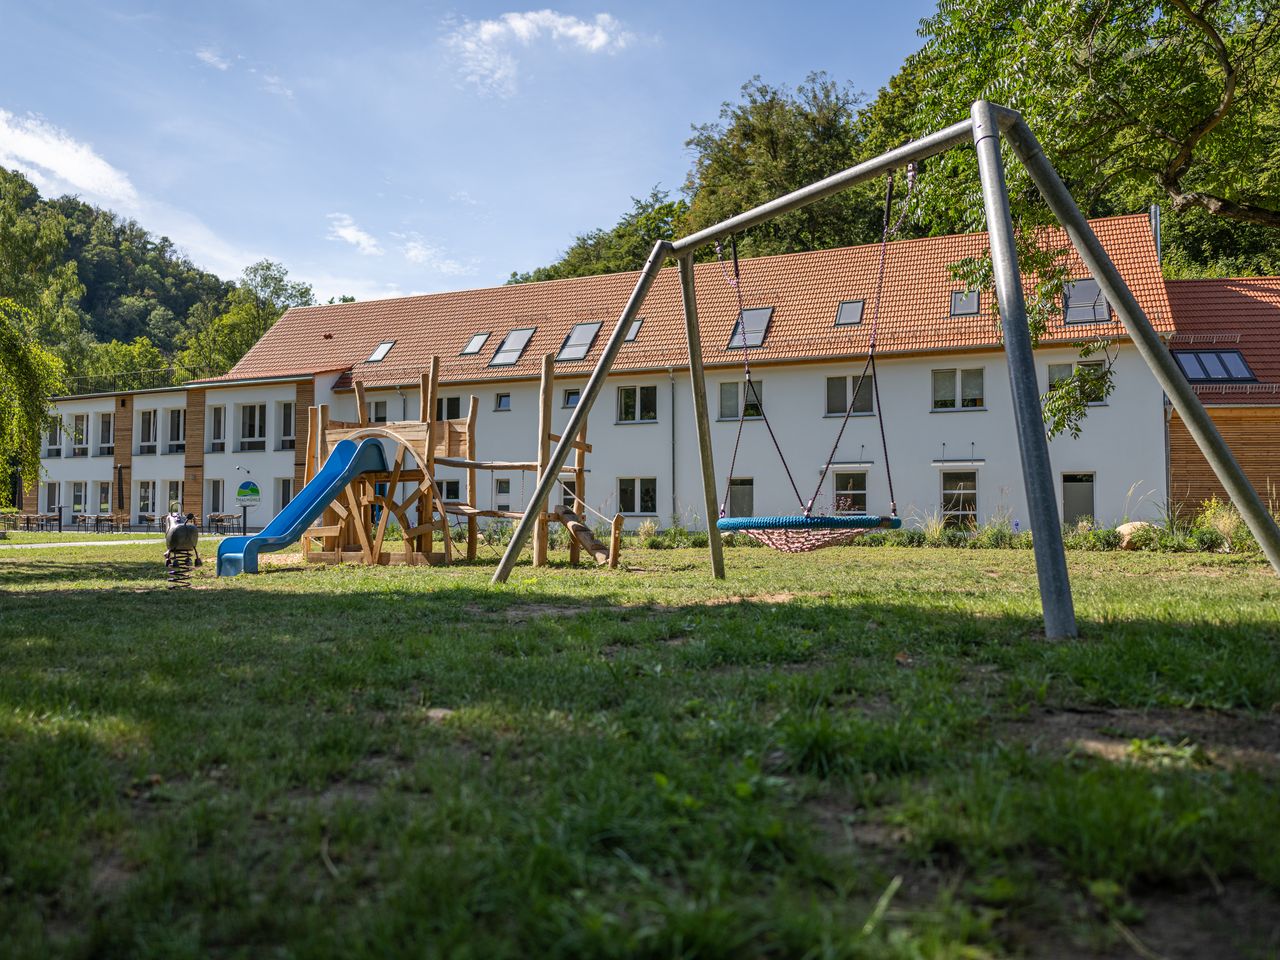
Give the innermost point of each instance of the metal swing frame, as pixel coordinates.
(987, 124)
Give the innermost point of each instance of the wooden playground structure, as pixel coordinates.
(354, 527)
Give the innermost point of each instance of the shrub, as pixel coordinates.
(1222, 518)
(911, 537)
(1144, 538)
(646, 530)
(1207, 538)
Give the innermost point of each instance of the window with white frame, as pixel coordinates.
(216, 500)
(52, 501)
(960, 498)
(638, 495)
(749, 392)
(80, 435)
(448, 408)
(637, 404)
(253, 426)
(217, 429)
(284, 491)
(502, 493)
(1093, 388)
(958, 389)
(377, 411)
(53, 439)
(173, 494)
(288, 429)
(851, 492)
(177, 441)
(1083, 302)
(451, 490)
(148, 428)
(106, 434)
(502, 402)
(839, 389)
(742, 497)
(103, 498)
(146, 496)
(571, 397)
(79, 496)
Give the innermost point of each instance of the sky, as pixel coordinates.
(387, 148)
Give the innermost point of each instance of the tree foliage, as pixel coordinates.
(29, 376)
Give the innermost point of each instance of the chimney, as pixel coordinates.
(1154, 216)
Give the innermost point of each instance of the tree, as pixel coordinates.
(29, 377)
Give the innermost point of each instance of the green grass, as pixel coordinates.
(854, 753)
(71, 536)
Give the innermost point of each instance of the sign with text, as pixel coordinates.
(248, 494)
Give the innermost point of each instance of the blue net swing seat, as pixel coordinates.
(808, 531)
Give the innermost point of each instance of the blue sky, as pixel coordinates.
(388, 148)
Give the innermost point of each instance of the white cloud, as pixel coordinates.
(209, 57)
(57, 163)
(273, 84)
(342, 227)
(484, 48)
(419, 251)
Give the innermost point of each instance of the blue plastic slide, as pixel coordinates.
(345, 463)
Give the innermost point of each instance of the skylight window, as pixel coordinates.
(579, 341)
(475, 344)
(964, 303)
(751, 328)
(1206, 366)
(512, 347)
(849, 313)
(1083, 302)
(381, 351)
(635, 329)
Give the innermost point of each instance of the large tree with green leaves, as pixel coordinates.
(29, 376)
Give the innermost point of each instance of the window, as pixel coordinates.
(571, 397)
(51, 499)
(475, 344)
(1077, 497)
(962, 385)
(148, 425)
(177, 442)
(1095, 391)
(634, 330)
(253, 426)
(377, 411)
(851, 493)
(569, 495)
(147, 496)
(964, 303)
(80, 435)
(1083, 302)
(285, 488)
(637, 495)
(217, 429)
(106, 434)
(216, 502)
(579, 341)
(104, 495)
(637, 404)
(742, 497)
(502, 494)
(78, 491)
(173, 494)
(838, 390)
(512, 347)
(53, 440)
(751, 328)
(380, 351)
(448, 408)
(288, 432)
(1209, 365)
(502, 401)
(753, 400)
(960, 498)
(849, 313)
(451, 490)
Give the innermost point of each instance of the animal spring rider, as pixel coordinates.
(180, 538)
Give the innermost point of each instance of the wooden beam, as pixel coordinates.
(428, 459)
(579, 444)
(473, 525)
(615, 542)
(362, 414)
(545, 391)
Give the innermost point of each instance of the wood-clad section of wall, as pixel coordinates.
(1252, 433)
(122, 435)
(304, 399)
(193, 463)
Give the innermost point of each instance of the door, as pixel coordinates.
(1077, 498)
(742, 498)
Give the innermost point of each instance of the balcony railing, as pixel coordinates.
(130, 380)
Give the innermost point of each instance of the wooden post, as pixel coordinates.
(545, 391)
(615, 541)
(362, 413)
(332, 517)
(473, 524)
(579, 491)
(428, 416)
(309, 464)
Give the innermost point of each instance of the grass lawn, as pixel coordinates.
(855, 753)
(71, 536)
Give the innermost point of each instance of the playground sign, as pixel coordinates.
(248, 494)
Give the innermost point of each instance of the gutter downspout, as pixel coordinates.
(671, 377)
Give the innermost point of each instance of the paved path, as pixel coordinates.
(154, 541)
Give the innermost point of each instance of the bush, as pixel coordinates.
(1207, 538)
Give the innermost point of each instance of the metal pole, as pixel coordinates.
(697, 377)
(935, 143)
(1148, 342)
(578, 420)
(1037, 474)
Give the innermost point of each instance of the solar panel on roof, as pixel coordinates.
(750, 328)
(512, 347)
(579, 341)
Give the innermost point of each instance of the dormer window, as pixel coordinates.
(381, 351)
(475, 344)
(964, 303)
(849, 313)
(579, 341)
(512, 347)
(751, 328)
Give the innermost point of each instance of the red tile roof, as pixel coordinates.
(1241, 313)
(804, 289)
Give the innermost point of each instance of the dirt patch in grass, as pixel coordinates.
(109, 874)
(1237, 919)
(1157, 737)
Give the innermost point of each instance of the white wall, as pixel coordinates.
(235, 465)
